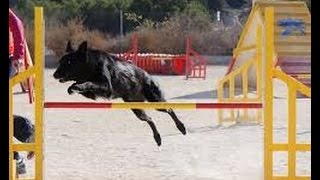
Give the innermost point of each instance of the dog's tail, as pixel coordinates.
(152, 91)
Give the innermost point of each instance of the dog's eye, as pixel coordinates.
(69, 62)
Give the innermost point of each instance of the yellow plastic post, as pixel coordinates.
(245, 82)
(231, 96)
(11, 166)
(245, 89)
(259, 61)
(220, 97)
(39, 59)
(292, 131)
(268, 98)
(259, 71)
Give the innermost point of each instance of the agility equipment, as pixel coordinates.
(191, 64)
(294, 86)
(35, 71)
(292, 55)
(265, 52)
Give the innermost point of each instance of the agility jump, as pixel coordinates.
(271, 72)
(292, 54)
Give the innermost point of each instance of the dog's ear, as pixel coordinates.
(69, 47)
(83, 47)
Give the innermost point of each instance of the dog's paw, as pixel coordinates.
(75, 88)
(70, 91)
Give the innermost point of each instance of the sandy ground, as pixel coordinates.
(101, 144)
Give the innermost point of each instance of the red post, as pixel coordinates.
(187, 55)
(194, 70)
(29, 79)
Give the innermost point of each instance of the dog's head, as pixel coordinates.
(74, 65)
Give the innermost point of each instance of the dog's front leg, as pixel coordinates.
(95, 88)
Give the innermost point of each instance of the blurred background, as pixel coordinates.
(161, 26)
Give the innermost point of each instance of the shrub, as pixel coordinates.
(168, 36)
(58, 36)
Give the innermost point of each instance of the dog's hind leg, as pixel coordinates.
(178, 123)
(144, 117)
(152, 93)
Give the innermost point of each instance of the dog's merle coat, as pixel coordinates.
(100, 74)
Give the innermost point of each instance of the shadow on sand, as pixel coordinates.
(212, 94)
(213, 128)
